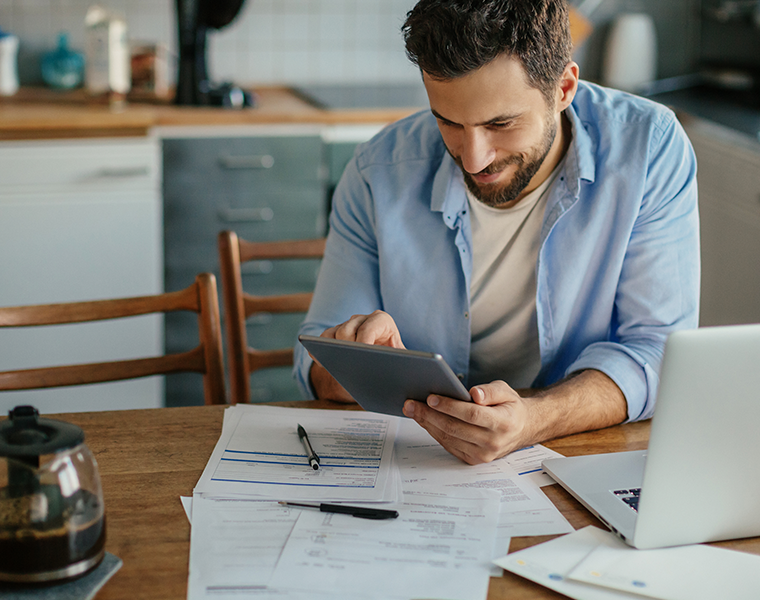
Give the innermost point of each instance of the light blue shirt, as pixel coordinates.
(618, 268)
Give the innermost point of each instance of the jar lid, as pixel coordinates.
(26, 436)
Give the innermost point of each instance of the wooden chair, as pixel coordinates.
(239, 305)
(206, 358)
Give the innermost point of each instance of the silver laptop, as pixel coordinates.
(699, 479)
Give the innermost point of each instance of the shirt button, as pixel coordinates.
(466, 315)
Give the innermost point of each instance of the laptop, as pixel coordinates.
(699, 479)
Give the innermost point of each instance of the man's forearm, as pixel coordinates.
(584, 401)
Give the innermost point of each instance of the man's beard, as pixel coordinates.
(497, 196)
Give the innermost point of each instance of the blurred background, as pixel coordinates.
(332, 41)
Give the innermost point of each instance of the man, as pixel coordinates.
(539, 232)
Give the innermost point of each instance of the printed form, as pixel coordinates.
(259, 548)
(260, 454)
(525, 509)
(439, 547)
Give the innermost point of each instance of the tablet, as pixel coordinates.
(380, 378)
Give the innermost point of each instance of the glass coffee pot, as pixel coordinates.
(52, 522)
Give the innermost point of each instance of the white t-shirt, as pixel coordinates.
(504, 328)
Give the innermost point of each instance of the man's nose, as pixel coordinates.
(477, 151)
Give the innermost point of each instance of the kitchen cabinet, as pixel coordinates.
(340, 144)
(729, 204)
(265, 183)
(81, 220)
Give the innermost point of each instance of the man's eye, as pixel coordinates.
(500, 124)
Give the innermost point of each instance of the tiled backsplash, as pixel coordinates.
(318, 41)
(271, 41)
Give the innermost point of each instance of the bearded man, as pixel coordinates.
(538, 231)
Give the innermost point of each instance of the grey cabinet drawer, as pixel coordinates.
(199, 213)
(269, 163)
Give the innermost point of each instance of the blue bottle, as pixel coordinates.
(63, 68)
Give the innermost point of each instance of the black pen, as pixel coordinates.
(354, 511)
(310, 454)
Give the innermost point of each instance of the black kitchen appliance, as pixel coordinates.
(194, 19)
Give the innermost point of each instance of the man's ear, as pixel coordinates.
(568, 85)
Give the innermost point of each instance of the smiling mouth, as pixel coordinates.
(484, 178)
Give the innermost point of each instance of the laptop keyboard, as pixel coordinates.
(630, 497)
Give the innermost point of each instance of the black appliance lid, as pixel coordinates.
(24, 435)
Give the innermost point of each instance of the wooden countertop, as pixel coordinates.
(40, 113)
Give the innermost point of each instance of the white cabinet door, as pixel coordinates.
(729, 205)
(86, 225)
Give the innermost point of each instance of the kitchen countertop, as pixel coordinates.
(732, 110)
(40, 113)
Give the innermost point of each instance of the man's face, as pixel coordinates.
(498, 129)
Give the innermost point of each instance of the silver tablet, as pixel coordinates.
(381, 379)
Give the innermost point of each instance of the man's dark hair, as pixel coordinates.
(450, 38)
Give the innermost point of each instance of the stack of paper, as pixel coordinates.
(260, 454)
(592, 564)
(453, 517)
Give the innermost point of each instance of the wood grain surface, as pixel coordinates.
(39, 113)
(149, 458)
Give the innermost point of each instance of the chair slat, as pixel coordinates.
(258, 359)
(200, 298)
(66, 375)
(97, 310)
(276, 304)
(239, 305)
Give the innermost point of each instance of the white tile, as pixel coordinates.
(270, 41)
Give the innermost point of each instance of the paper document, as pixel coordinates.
(260, 454)
(524, 508)
(527, 462)
(693, 572)
(592, 564)
(413, 556)
(234, 547)
(235, 543)
(549, 563)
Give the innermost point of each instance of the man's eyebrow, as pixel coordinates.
(499, 119)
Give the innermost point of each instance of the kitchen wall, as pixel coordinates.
(330, 41)
(271, 41)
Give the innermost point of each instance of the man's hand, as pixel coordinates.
(379, 329)
(499, 420)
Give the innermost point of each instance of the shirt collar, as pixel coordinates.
(580, 163)
(448, 194)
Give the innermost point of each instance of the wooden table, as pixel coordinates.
(149, 458)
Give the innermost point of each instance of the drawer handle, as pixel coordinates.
(121, 172)
(246, 215)
(253, 161)
(256, 267)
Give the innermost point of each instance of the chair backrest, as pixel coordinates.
(239, 305)
(206, 358)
